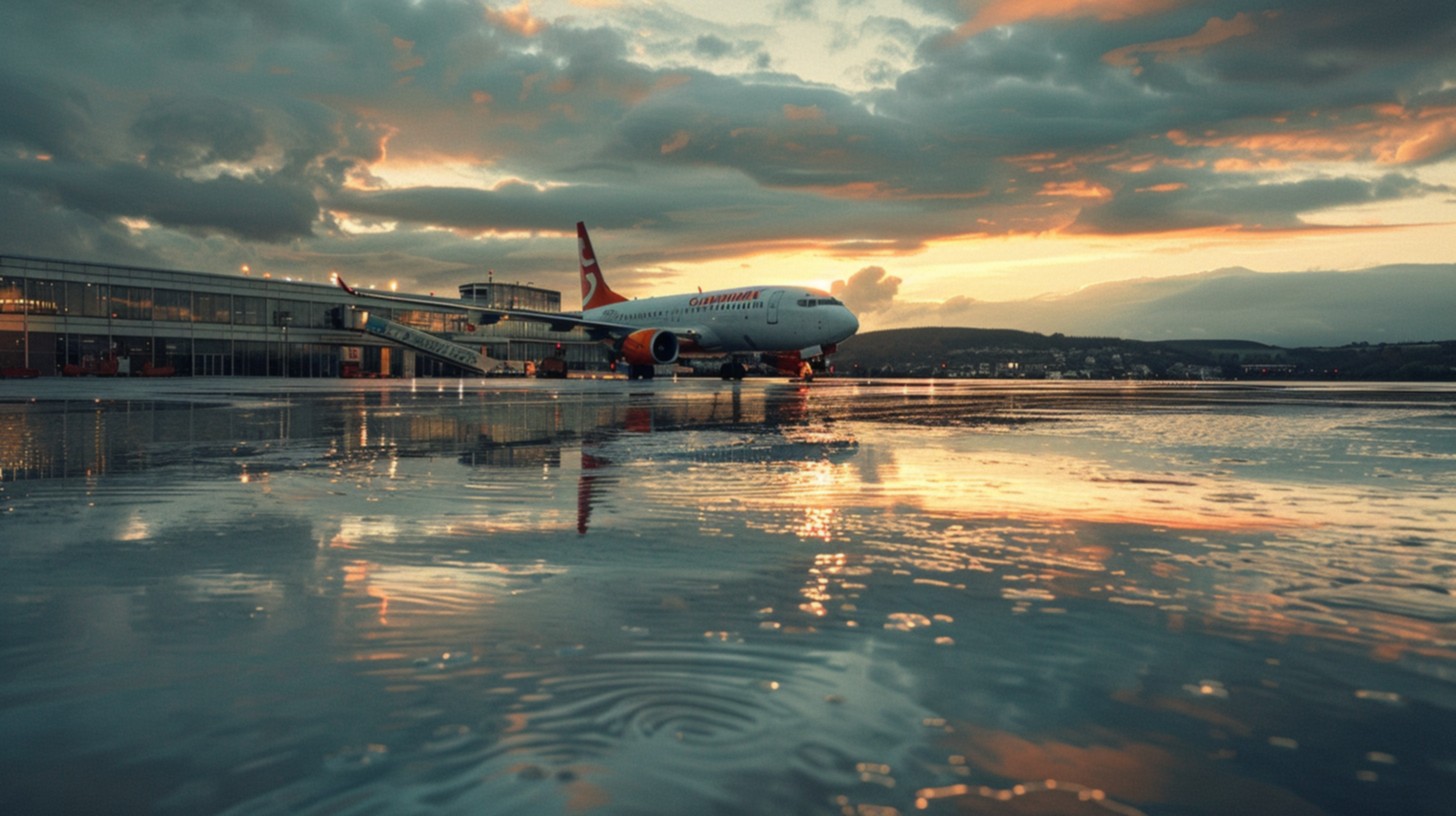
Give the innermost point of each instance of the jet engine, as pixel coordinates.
(650, 347)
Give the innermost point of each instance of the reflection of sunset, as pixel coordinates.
(817, 523)
(1130, 773)
(356, 530)
(357, 578)
(1051, 520)
(1064, 489)
(136, 529)
(989, 483)
(939, 598)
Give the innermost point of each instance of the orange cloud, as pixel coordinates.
(1213, 32)
(529, 83)
(1419, 137)
(1247, 166)
(1386, 134)
(679, 140)
(1041, 163)
(861, 191)
(1123, 161)
(1075, 189)
(803, 113)
(517, 20)
(1007, 12)
(405, 59)
(1147, 162)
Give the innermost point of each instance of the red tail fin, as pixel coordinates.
(595, 293)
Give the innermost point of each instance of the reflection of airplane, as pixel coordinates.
(788, 326)
(615, 438)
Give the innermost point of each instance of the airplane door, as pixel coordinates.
(773, 306)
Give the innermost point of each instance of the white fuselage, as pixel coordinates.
(746, 319)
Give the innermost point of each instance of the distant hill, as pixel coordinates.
(950, 351)
(927, 346)
(1399, 303)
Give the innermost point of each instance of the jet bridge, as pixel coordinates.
(469, 357)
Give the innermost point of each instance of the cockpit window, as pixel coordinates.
(819, 301)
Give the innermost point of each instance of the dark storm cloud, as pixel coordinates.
(795, 9)
(251, 209)
(1248, 204)
(782, 136)
(711, 47)
(243, 165)
(234, 118)
(196, 132)
(1091, 103)
(1313, 43)
(1046, 86)
(45, 230)
(42, 116)
(711, 214)
(515, 206)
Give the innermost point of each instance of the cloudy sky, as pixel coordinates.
(925, 158)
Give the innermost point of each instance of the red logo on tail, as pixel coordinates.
(595, 293)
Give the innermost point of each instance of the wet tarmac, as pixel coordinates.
(867, 598)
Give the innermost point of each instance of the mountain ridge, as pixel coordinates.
(1391, 303)
(973, 352)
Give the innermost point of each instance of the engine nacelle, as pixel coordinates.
(648, 347)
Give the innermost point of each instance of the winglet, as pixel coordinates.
(595, 293)
(339, 279)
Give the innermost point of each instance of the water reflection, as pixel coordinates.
(845, 598)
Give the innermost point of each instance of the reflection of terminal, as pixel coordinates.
(82, 319)
(533, 453)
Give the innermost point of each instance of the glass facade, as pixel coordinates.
(515, 296)
(69, 318)
(511, 296)
(12, 294)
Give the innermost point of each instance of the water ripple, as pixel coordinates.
(724, 725)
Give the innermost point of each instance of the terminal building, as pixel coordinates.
(73, 318)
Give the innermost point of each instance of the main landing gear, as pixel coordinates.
(732, 370)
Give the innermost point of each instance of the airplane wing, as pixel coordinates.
(557, 321)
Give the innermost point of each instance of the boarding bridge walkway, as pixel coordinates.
(469, 357)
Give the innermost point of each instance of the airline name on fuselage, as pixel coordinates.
(730, 297)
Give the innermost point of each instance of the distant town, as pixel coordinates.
(1009, 354)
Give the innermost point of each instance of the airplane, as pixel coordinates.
(787, 327)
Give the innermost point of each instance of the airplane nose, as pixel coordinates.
(851, 324)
